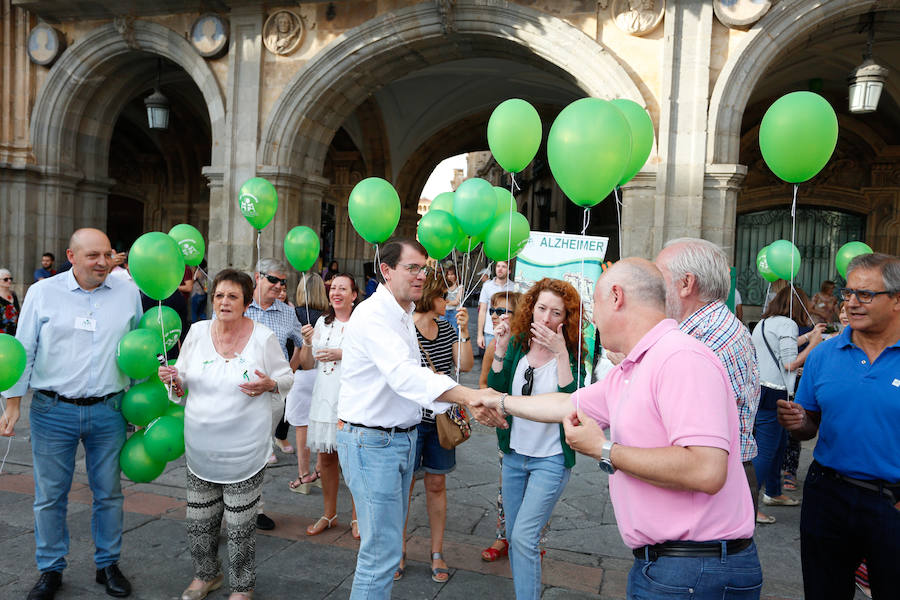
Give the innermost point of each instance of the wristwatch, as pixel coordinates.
(605, 463)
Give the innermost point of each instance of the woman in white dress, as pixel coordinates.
(233, 367)
(322, 349)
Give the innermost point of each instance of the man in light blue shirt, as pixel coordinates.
(70, 326)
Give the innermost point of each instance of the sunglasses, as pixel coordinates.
(499, 311)
(274, 280)
(864, 296)
(529, 381)
(6, 279)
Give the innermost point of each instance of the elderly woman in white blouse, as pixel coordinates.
(232, 367)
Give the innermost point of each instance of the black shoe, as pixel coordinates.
(116, 583)
(265, 523)
(46, 586)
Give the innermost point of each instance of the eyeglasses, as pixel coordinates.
(415, 269)
(499, 311)
(6, 279)
(864, 296)
(529, 381)
(274, 280)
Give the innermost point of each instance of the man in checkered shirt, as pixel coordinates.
(697, 284)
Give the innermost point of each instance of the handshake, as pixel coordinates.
(484, 405)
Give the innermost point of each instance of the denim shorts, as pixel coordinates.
(431, 457)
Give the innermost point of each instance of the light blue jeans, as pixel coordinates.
(378, 468)
(531, 488)
(56, 429)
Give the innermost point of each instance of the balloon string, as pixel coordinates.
(162, 331)
(618, 217)
(512, 185)
(306, 298)
(459, 332)
(258, 261)
(585, 221)
(790, 392)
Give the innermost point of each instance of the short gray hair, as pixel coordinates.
(5, 272)
(271, 265)
(887, 264)
(641, 280)
(708, 264)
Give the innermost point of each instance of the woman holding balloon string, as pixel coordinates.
(232, 366)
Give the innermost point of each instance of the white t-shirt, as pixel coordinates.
(531, 438)
(490, 288)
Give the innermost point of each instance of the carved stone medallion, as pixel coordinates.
(637, 17)
(209, 35)
(740, 13)
(283, 32)
(45, 44)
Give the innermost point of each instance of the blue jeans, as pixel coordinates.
(771, 440)
(378, 469)
(198, 307)
(56, 429)
(450, 316)
(729, 577)
(531, 488)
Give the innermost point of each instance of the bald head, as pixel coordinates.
(91, 257)
(85, 237)
(641, 281)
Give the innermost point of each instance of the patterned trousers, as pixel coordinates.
(206, 503)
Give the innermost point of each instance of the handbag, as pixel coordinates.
(452, 426)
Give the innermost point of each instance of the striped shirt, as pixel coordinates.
(724, 334)
(440, 350)
(281, 319)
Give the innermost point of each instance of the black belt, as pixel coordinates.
(90, 401)
(891, 491)
(379, 428)
(690, 549)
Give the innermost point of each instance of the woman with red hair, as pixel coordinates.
(535, 353)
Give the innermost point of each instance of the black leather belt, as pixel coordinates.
(90, 401)
(379, 428)
(690, 549)
(889, 490)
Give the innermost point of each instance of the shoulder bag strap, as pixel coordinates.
(425, 352)
(768, 347)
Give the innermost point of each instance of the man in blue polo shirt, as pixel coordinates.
(850, 395)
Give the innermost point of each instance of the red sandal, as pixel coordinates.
(491, 554)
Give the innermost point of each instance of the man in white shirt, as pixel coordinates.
(500, 283)
(383, 391)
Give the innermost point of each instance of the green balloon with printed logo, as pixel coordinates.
(144, 402)
(137, 351)
(641, 136)
(12, 361)
(301, 247)
(474, 205)
(374, 209)
(762, 265)
(258, 201)
(171, 324)
(136, 463)
(438, 232)
(848, 252)
(164, 438)
(190, 242)
(443, 201)
(507, 236)
(506, 203)
(514, 134)
(783, 258)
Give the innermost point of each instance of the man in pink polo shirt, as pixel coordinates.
(677, 485)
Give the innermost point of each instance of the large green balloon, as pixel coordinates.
(164, 438)
(443, 201)
(136, 353)
(190, 242)
(474, 205)
(589, 148)
(156, 264)
(784, 259)
(514, 134)
(301, 247)
(844, 255)
(506, 203)
(507, 236)
(374, 208)
(641, 136)
(468, 243)
(797, 135)
(136, 464)
(12, 361)
(762, 265)
(171, 324)
(175, 410)
(144, 402)
(438, 231)
(258, 201)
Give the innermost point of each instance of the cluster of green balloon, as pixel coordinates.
(301, 247)
(595, 145)
(163, 322)
(145, 454)
(137, 351)
(258, 202)
(845, 254)
(374, 209)
(797, 136)
(190, 242)
(157, 265)
(514, 134)
(778, 260)
(12, 361)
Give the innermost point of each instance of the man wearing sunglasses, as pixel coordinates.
(850, 396)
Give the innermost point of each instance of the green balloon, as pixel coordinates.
(443, 201)
(506, 203)
(438, 231)
(175, 410)
(258, 201)
(797, 136)
(136, 464)
(156, 264)
(374, 209)
(784, 259)
(301, 247)
(514, 134)
(164, 438)
(762, 265)
(842, 259)
(12, 361)
(190, 242)
(171, 324)
(589, 148)
(468, 243)
(474, 205)
(144, 402)
(641, 136)
(136, 353)
(507, 236)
